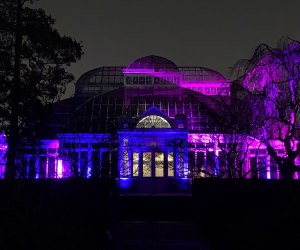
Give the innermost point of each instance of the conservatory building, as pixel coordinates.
(147, 119)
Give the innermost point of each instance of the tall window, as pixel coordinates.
(51, 167)
(258, 167)
(210, 162)
(146, 164)
(273, 169)
(83, 163)
(262, 167)
(171, 164)
(42, 167)
(253, 167)
(181, 170)
(95, 164)
(200, 164)
(135, 164)
(32, 170)
(159, 164)
(125, 163)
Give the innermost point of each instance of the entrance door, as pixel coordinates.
(154, 164)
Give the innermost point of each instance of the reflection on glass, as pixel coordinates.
(159, 164)
(262, 167)
(181, 162)
(126, 163)
(146, 164)
(200, 164)
(170, 164)
(135, 164)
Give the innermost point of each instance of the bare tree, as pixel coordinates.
(231, 143)
(240, 156)
(273, 74)
(88, 155)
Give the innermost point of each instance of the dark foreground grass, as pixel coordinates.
(54, 214)
(248, 214)
(88, 214)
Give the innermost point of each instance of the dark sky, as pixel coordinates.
(208, 33)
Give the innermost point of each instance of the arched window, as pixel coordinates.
(153, 121)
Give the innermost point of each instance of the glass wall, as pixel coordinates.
(153, 164)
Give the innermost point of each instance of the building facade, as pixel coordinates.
(141, 121)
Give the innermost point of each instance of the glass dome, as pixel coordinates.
(152, 63)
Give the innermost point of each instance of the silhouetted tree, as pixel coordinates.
(34, 58)
(88, 155)
(233, 124)
(273, 74)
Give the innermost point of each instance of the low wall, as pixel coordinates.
(55, 214)
(248, 214)
(154, 185)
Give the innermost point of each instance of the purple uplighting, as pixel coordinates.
(145, 121)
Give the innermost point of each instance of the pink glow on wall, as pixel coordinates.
(51, 143)
(254, 143)
(204, 138)
(172, 77)
(202, 86)
(276, 144)
(149, 71)
(208, 88)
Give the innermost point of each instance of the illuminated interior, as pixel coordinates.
(147, 160)
(153, 121)
(159, 164)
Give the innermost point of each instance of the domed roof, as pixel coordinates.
(201, 74)
(100, 75)
(153, 63)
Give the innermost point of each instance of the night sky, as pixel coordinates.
(207, 33)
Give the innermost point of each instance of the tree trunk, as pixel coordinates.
(13, 133)
(12, 144)
(287, 175)
(287, 169)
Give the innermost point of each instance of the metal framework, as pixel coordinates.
(153, 121)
